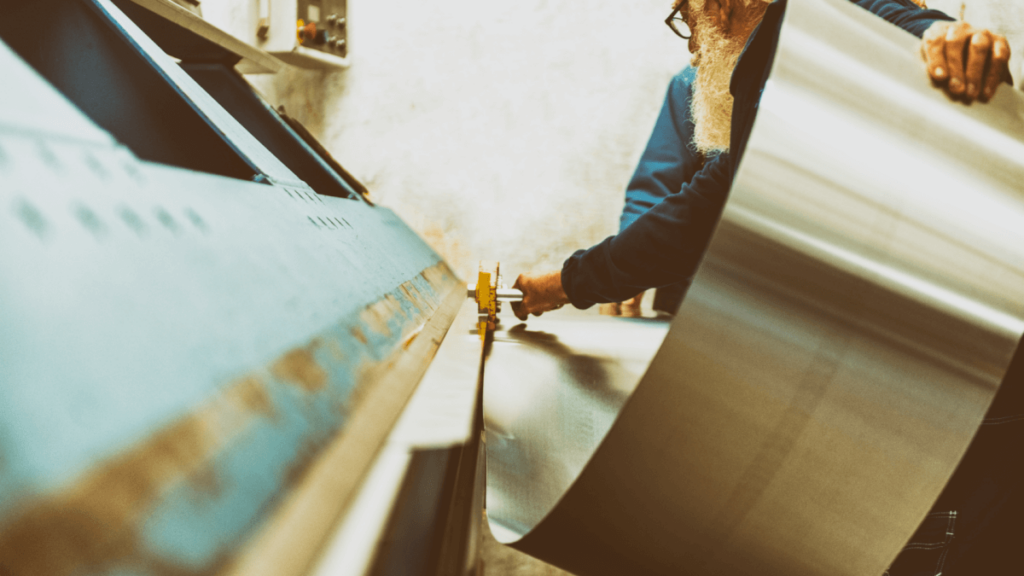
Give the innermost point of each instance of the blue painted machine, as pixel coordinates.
(209, 333)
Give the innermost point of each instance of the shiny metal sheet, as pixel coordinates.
(553, 388)
(852, 320)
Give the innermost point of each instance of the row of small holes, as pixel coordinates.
(330, 222)
(97, 167)
(304, 195)
(34, 220)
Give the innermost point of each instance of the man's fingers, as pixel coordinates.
(956, 37)
(977, 56)
(934, 47)
(998, 67)
(971, 63)
(517, 307)
(610, 309)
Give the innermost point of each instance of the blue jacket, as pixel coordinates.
(674, 199)
(670, 158)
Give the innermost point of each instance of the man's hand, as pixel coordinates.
(629, 308)
(969, 63)
(541, 292)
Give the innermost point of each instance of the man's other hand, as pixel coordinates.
(541, 292)
(967, 62)
(629, 308)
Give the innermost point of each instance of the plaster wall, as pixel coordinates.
(498, 130)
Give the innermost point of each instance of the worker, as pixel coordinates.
(647, 253)
(671, 158)
(975, 525)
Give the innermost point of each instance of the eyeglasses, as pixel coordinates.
(677, 21)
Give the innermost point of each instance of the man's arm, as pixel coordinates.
(669, 160)
(905, 14)
(663, 246)
(674, 232)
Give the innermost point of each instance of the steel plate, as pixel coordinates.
(851, 322)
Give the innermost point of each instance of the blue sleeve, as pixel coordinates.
(679, 227)
(903, 13)
(670, 158)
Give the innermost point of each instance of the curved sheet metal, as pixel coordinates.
(553, 389)
(851, 322)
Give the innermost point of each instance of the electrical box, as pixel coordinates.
(304, 33)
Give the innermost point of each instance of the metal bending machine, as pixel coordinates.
(222, 358)
(210, 335)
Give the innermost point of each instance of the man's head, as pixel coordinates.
(719, 30)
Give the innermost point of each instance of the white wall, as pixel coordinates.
(499, 130)
(505, 130)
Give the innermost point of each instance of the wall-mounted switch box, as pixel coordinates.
(304, 33)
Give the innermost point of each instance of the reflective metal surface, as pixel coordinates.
(553, 388)
(853, 318)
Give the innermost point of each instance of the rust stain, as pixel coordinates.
(94, 524)
(378, 315)
(251, 393)
(300, 367)
(437, 275)
(412, 336)
(205, 481)
(303, 462)
(412, 294)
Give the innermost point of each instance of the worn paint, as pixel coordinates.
(252, 393)
(300, 367)
(543, 117)
(91, 524)
(180, 502)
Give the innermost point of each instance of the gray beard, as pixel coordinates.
(711, 105)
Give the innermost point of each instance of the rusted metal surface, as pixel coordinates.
(292, 541)
(98, 521)
(181, 353)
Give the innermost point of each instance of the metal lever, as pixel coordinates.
(504, 294)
